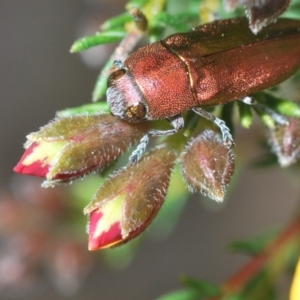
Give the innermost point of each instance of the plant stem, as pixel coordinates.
(236, 282)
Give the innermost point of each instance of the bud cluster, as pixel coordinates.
(71, 147)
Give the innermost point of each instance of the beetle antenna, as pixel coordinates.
(227, 137)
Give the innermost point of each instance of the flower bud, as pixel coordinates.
(285, 142)
(71, 147)
(208, 165)
(259, 12)
(128, 201)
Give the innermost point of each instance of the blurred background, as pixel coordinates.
(38, 77)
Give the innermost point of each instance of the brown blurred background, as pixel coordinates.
(40, 76)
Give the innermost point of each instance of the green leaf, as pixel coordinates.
(136, 3)
(180, 295)
(117, 21)
(245, 114)
(249, 247)
(280, 105)
(87, 108)
(99, 38)
(180, 22)
(101, 82)
(293, 11)
(266, 119)
(227, 116)
(203, 288)
(260, 287)
(254, 245)
(155, 32)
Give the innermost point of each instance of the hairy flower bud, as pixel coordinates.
(208, 165)
(260, 12)
(285, 142)
(128, 201)
(71, 147)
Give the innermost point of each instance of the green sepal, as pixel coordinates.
(99, 38)
(65, 129)
(117, 21)
(246, 116)
(91, 108)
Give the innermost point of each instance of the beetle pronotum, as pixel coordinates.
(214, 64)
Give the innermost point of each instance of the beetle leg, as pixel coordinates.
(278, 118)
(227, 137)
(176, 121)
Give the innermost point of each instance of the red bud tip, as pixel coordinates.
(99, 238)
(71, 147)
(126, 204)
(29, 165)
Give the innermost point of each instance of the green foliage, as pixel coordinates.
(203, 288)
(245, 112)
(194, 290)
(116, 22)
(280, 105)
(261, 287)
(180, 22)
(227, 115)
(255, 245)
(180, 295)
(104, 37)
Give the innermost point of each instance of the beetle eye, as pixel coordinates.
(115, 76)
(136, 112)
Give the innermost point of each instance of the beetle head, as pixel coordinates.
(124, 96)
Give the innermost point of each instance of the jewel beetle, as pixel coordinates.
(211, 65)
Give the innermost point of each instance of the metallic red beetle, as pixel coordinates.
(214, 64)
